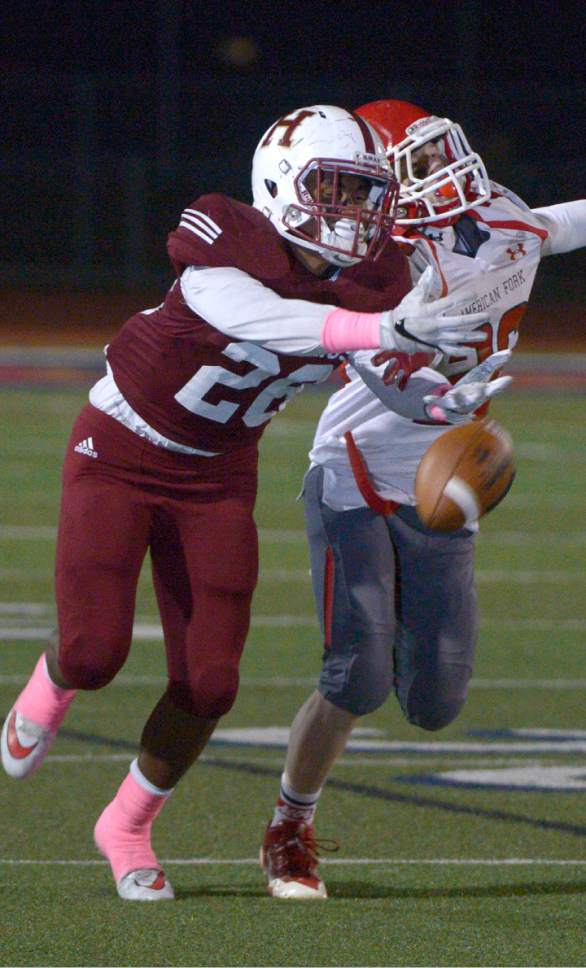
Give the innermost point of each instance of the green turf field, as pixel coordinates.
(466, 847)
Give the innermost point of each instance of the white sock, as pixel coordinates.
(146, 784)
(292, 805)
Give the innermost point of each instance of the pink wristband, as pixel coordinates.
(345, 330)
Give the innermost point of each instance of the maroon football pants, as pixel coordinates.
(123, 496)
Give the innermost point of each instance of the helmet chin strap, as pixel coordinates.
(342, 235)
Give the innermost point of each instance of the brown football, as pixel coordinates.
(464, 474)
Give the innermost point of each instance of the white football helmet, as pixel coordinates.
(457, 185)
(297, 175)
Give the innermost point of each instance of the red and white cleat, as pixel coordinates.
(289, 858)
(145, 885)
(24, 745)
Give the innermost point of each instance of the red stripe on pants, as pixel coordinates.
(328, 596)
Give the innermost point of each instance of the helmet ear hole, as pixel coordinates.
(271, 187)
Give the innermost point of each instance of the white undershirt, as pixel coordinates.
(240, 306)
(106, 396)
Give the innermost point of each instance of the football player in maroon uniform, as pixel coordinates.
(164, 457)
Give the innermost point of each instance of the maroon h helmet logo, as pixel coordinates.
(289, 123)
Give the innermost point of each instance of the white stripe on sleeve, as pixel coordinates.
(203, 234)
(205, 218)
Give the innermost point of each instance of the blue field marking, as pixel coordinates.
(532, 735)
(359, 789)
(544, 779)
(378, 793)
(276, 738)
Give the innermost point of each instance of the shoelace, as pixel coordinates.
(313, 846)
(301, 852)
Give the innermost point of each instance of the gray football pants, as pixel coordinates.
(397, 607)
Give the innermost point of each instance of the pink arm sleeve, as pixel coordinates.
(344, 330)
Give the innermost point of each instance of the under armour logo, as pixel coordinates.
(516, 251)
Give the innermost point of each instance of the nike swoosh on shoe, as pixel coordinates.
(15, 747)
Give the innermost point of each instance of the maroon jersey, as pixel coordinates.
(215, 388)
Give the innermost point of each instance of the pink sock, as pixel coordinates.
(123, 831)
(42, 701)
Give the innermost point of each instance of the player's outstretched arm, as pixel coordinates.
(419, 323)
(565, 224)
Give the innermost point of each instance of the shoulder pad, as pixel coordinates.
(217, 231)
(503, 192)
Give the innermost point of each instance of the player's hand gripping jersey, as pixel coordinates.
(238, 333)
(494, 250)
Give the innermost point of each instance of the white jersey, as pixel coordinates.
(493, 251)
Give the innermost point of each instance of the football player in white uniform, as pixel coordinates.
(396, 602)
(165, 452)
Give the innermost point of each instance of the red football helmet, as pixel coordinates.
(439, 174)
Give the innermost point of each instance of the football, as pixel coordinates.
(464, 474)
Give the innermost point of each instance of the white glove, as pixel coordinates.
(469, 393)
(418, 323)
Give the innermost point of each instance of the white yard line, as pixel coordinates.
(528, 683)
(32, 532)
(297, 536)
(17, 618)
(546, 452)
(24, 608)
(286, 576)
(517, 577)
(27, 532)
(237, 739)
(126, 680)
(340, 861)
(551, 499)
(524, 538)
(145, 632)
(303, 575)
(345, 763)
(153, 633)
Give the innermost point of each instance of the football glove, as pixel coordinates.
(419, 323)
(401, 366)
(469, 393)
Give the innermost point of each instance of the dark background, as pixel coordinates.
(117, 114)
